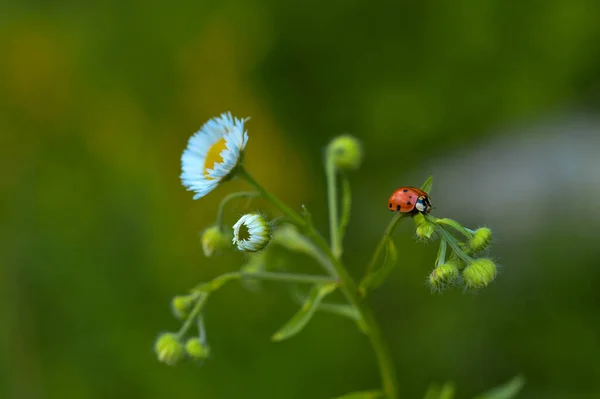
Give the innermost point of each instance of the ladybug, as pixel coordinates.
(409, 200)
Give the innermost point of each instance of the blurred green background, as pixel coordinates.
(97, 234)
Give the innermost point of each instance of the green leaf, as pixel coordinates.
(339, 309)
(374, 280)
(428, 185)
(508, 390)
(447, 391)
(362, 395)
(303, 316)
(434, 391)
(348, 311)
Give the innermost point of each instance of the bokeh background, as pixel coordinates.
(498, 100)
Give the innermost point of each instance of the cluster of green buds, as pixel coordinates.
(171, 348)
(461, 256)
(251, 233)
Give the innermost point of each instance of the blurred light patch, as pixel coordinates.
(526, 178)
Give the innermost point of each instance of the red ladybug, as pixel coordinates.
(409, 200)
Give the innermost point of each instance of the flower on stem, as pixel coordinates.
(169, 349)
(444, 276)
(181, 305)
(251, 233)
(213, 154)
(196, 350)
(214, 239)
(479, 273)
(425, 229)
(346, 152)
(481, 239)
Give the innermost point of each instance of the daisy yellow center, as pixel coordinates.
(213, 156)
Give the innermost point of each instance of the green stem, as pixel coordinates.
(454, 244)
(346, 206)
(297, 219)
(290, 278)
(218, 282)
(387, 234)
(193, 315)
(226, 200)
(441, 257)
(452, 223)
(349, 289)
(334, 236)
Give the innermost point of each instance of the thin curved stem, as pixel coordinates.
(226, 200)
(203, 294)
(193, 315)
(290, 278)
(346, 206)
(294, 217)
(332, 203)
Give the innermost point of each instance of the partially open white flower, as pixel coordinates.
(251, 233)
(213, 153)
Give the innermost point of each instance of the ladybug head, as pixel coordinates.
(423, 205)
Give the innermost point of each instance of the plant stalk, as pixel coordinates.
(348, 288)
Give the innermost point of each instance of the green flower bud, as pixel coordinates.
(213, 239)
(196, 350)
(251, 233)
(479, 273)
(181, 305)
(346, 152)
(481, 239)
(425, 229)
(168, 349)
(443, 276)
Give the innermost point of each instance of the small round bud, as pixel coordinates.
(443, 276)
(346, 152)
(213, 239)
(196, 350)
(181, 305)
(425, 229)
(481, 239)
(479, 273)
(251, 233)
(169, 349)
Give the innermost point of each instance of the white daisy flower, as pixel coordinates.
(251, 233)
(213, 153)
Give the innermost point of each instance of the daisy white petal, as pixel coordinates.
(213, 153)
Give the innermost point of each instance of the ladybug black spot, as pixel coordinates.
(405, 190)
(409, 203)
(410, 196)
(390, 205)
(398, 207)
